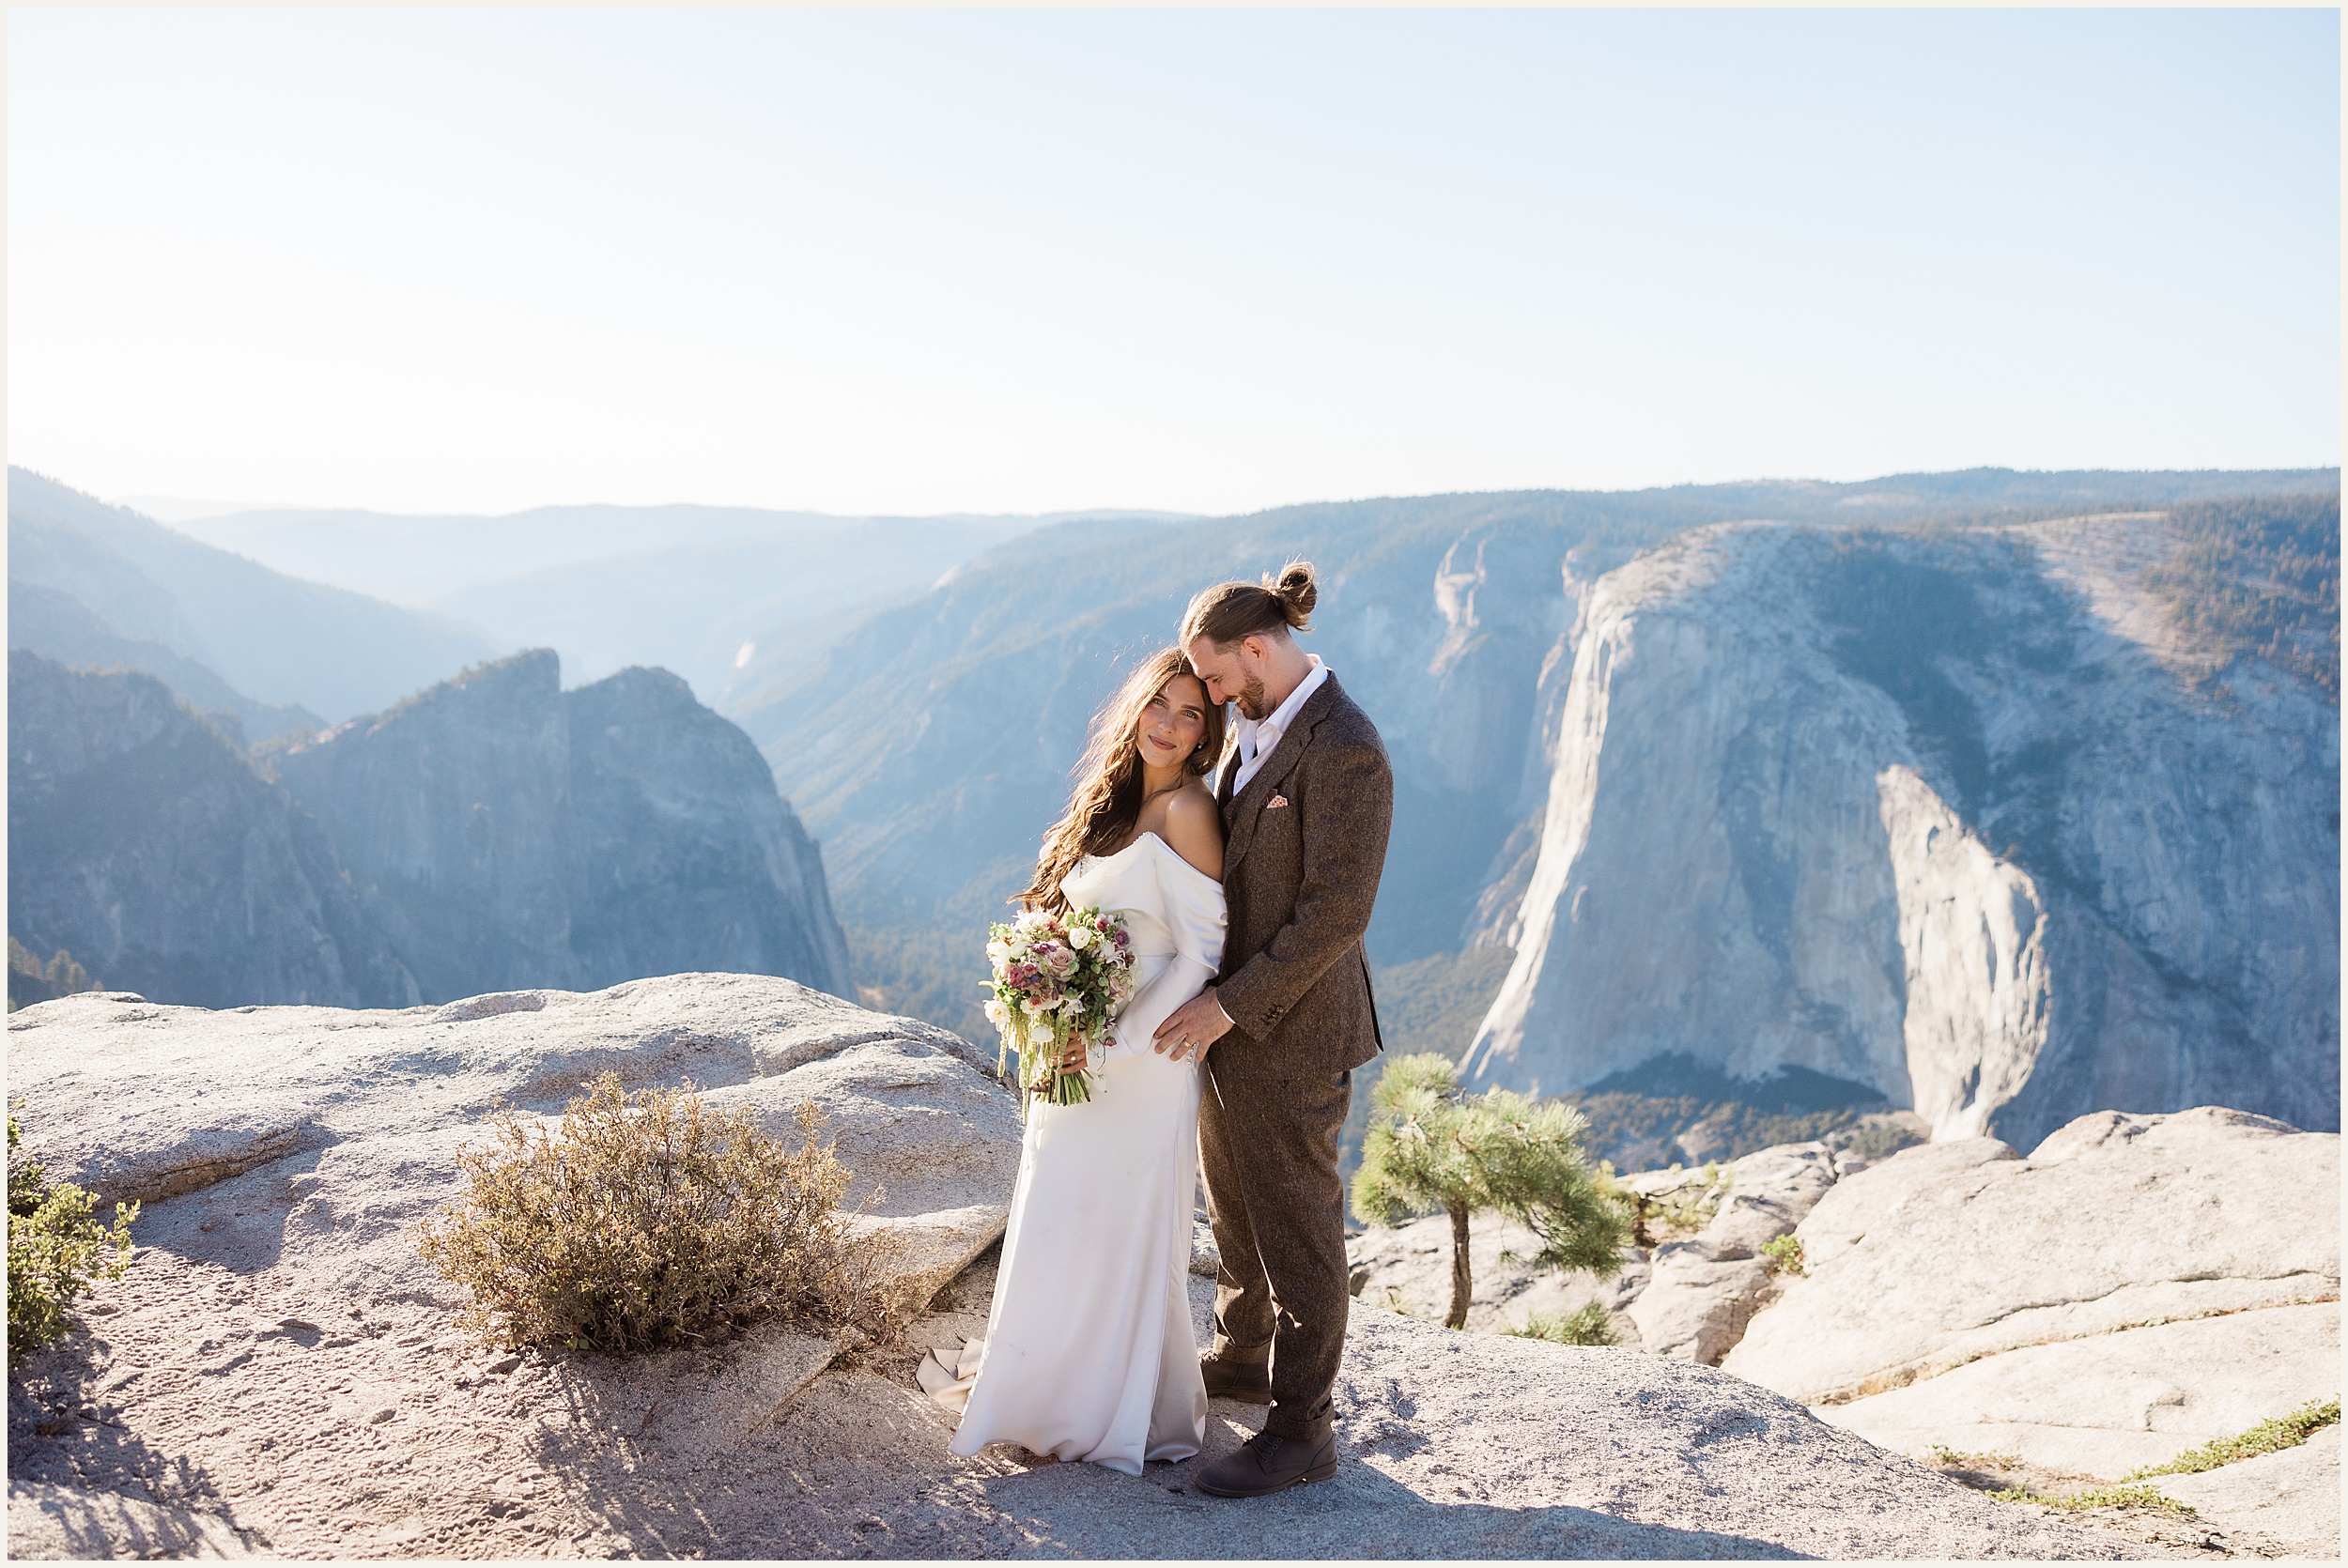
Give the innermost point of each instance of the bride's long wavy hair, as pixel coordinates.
(1107, 798)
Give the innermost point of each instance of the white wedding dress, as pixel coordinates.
(1088, 1351)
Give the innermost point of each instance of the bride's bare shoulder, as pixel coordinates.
(1193, 830)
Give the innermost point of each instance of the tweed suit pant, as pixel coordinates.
(1269, 1150)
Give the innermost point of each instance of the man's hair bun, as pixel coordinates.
(1271, 606)
(1297, 593)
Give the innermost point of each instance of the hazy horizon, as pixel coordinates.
(172, 510)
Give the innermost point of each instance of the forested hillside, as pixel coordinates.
(2259, 577)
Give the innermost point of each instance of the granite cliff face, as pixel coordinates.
(511, 834)
(141, 841)
(1938, 814)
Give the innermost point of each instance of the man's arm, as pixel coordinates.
(1349, 808)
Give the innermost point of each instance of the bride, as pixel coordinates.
(1089, 1352)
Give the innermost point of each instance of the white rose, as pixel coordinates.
(1080, 937)
(995, 1012)
(997, 951)
(1034, 1007)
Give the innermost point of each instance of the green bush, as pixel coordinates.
(1784, 1254)
(2267, 1437)
(1688, 1207)
(1587, 1323)
(645, 1219)
(57, 1247)
(2102, 1496)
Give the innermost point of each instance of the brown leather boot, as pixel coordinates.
(1249, 1382)
(1266, 1464)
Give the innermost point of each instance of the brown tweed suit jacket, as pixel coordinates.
(1299, 879)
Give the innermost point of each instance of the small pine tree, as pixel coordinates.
(1432, 1148)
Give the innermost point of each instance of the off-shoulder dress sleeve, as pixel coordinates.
(1193, 909)
(1192, 902)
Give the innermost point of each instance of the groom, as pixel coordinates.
(1308, 798)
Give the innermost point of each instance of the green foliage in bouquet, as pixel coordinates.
(646, 1218)
(1432, 1148)
(57, 1248)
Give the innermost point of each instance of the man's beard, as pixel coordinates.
(1251, 701)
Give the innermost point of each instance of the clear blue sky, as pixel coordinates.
(1212, 261)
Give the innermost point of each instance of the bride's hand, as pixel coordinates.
(1072, 1056)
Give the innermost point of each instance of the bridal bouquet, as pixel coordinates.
(1058, 979)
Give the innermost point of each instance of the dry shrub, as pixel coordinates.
(652, 1217)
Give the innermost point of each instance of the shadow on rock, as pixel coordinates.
(641, 1439)
(1081, 1511)
(82, 1486)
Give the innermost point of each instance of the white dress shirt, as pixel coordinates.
(1260, 738)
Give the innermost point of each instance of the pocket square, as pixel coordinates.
(1275, 803)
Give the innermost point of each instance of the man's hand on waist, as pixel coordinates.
(1189, 1029)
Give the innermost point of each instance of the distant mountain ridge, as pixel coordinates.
(59, 626)
(272, 639)
(416, 556)
(717, 594)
